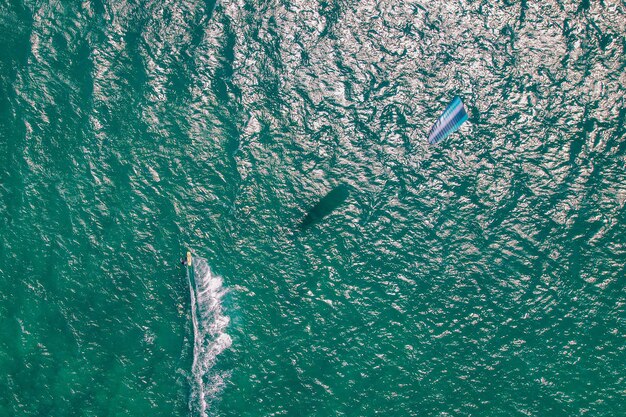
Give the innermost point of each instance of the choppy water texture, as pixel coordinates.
(484, 276)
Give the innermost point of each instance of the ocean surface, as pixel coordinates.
(484, 276)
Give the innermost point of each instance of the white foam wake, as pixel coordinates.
(210, 338)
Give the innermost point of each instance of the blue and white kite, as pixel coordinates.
(449, 122)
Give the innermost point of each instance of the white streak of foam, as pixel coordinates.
(210, 337)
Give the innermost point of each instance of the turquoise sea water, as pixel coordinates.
(481, 277)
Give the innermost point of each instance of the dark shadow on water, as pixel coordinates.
(325, 206)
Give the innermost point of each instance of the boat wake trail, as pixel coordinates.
(209, 336)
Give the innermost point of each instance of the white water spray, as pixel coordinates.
(209, 336)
